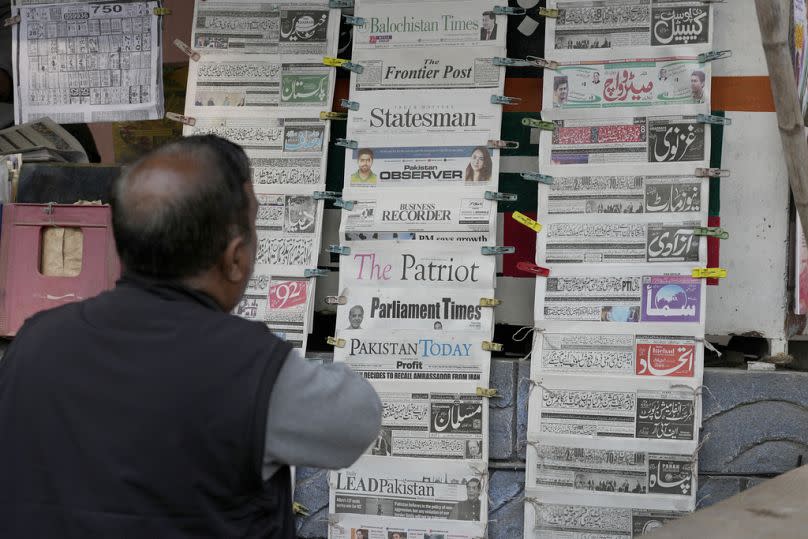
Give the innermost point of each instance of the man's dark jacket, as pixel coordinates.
(140, 413)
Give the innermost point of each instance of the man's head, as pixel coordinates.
(395, 535)
(473, 489)
(473, 448)
(489, 19)
(365, 160)
(560, 89)
(186, 213)
(697, 83)
(360, 534)
(355, 316)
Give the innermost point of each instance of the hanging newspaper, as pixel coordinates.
(42, 141)
(289, 232)
(424, 309)
(671, 84)
(246, 84)
(396, 24)
(585, 349)
(427, 358)
(418, 422)
(349, 526)
(622, 296)
(282, 303)
(468, 117)
(406, 215)
(592, 471)
(427, 69)
(413, 488)
(658, 415)
(546, 520)
(287, 155)
(88, 62)
(421, 162)
(295, 31)
(402, 265)
(629, 145)
(662, 195)
(602, 241)
(584, 29)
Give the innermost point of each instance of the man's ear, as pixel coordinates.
(236, 259)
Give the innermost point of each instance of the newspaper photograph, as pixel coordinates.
(282, 303)
(414, 488)
(245, 83)
(350, 526)
(588, 27)
(42, 140)
(547, 520)
(621, 296)
(400, 265)
(633, 145)
(678, 84)
(287, 155)
(406, 215)
(427, 69)
(88, 62)
(423, 309)
(468, 118)
(596, 473)
(303, 31)
(289, 232)
(585, 350)
(417, 422)
(435, 358)
(659, 415)
(421, 162)
(396, 24)
(626, 195)
(607, 242)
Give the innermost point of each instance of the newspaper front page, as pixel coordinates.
(586, 28)
(424, 357)
(289, 232)
(412, 489)
(88, 62)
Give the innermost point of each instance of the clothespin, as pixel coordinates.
(709, 273)
(333, 341)
(189, 52)
(300, 509)
(714, 55)
(714, 120)
(11, 21)
(536, 177)
(346, 143)
(326, 195)
(490, 302)
(328, 115)
(187, 120)
(523, 219)
(354, 21)
(345, 64)
(503, 144)
(542, 62)
(489, 346)
(712, 231)
(315, 272)
(712, 172)
(493, 250)
(507, 10)
(343, 250)
(350, 105)
(505, 100)
(336, 300)
(530, 267)
(161, 11)
(344, 204)
(340, 4)
(500, 197)
(548, 12)
(487, 392)
(539, 124)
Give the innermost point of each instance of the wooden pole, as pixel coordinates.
(774, 19)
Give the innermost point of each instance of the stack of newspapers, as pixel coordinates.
(415, 302)
(617, 363)
(256, 77)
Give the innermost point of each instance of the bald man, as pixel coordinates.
(149, 410)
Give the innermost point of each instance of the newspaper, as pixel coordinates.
(41, 140)
(584, 349)
(665, 84)
(657, 415)
(287, 155)
(289, 229)
(424, 309)
(244, 83)
(624, 476)
(547, 520)
(607, 242)
(625, 195)
(349, 526)
(306, 30)
(88, 62)
(622, 296)
(406, 215)
(396, 24)
(402, 265)
(468, 117)
(282, 303)
(423, 357)
(629, 145)
(427, 69)
(589, 27)
(412, 488)
(418, 422)
(419, 162)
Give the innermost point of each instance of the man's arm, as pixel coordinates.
(323, 416)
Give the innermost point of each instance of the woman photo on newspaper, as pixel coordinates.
(480, 165)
